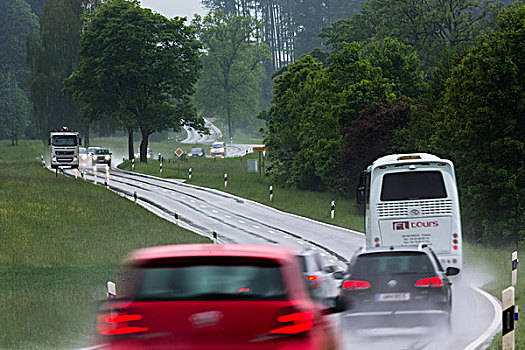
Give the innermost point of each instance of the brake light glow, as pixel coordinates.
(433, 282)
(296, 322)
(119, 324)
(311, 278)
(356, 285)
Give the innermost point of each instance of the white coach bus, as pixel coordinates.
(411, 199)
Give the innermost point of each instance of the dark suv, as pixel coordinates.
(396, 287)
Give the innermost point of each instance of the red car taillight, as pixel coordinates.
(429, 282)
(356, 285)
(294, 322)
(120, 324)
(315, 280)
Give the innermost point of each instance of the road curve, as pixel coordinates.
(237, 220)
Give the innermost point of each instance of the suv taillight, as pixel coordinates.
(118, 323)
(429, 282)
(294, 321)
(356, 285)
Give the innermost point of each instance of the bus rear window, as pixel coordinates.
(413, 185)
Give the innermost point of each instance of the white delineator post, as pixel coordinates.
(271, 193)
(332, 209)
(507, 326)
(515, 262)
(225, 180)
(112, 290)
(176, 215)
(215, 236)
(160, 164)
(43, 161)
(133, 164)
(135, 196)
(189, 173)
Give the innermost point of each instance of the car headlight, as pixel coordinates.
(200, 154)
(95, 157)
(54, 159)
(108, 157)
(75, 159)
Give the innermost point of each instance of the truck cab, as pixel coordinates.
(64, 148)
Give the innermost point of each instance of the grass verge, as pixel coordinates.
(61, 240)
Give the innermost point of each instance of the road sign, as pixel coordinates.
(259, 149)
(179, 152)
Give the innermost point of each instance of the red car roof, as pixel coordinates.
(196, 250)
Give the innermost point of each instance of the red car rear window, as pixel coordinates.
(223, 278)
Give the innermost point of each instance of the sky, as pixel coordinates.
(172, 8)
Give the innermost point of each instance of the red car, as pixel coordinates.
(209, 296)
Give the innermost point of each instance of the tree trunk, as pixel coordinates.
(131, 153)
(16, 139)
(144, 145)
(86, 135)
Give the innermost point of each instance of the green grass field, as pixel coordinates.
(61, 240)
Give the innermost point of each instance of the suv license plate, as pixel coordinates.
(393, 297)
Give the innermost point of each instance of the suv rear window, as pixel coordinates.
(392, 263)
(413, 185)
(212, 279)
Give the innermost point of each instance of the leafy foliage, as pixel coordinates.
(233, 67)
(14, 109)
(479, 123)
(139, 68)
(428, 26)
(377, 123)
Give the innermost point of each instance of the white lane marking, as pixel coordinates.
(255, 226)
(285, 236)
(494, 326)
(242, 222)
(270, 231)
(227, 216)
(300, 242)
(182, 197)
(323, 254)
(164, 190)
(215, 211)
(203, 206)
(191, 200)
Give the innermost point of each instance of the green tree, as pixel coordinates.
(399, 64)
(310, 109)
(485, 115)
(16, 23)
(233, 67)
(428, 26)
(14, 109)
(139, 68)
(52, 56)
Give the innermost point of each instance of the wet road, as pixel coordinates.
(475, 316)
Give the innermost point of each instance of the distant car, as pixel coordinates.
(149, 154)
(396, 287)
(91, 150)
(324, 281)
(101, 156)
(218, 149)
(210, 296)
(83, 154)
(197, 152)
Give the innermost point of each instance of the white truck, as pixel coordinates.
(64, 148)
